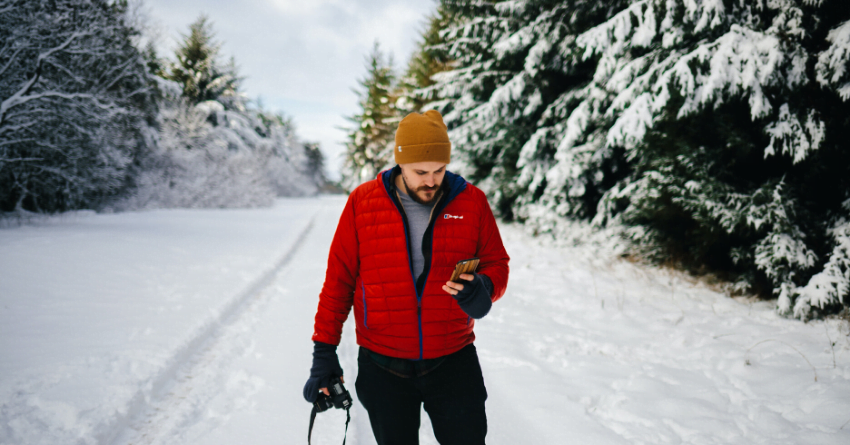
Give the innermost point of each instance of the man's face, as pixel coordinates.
(423, 179)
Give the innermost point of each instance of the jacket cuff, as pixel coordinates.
(478, 304)
(323, 347)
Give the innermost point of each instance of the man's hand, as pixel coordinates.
(325, 390)
(325, 368)
(473, 295)
(454, 288)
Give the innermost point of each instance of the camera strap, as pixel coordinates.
(313, 419)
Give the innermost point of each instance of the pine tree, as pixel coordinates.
(198, 70)
(155, 64)
(517, 74)
(430, 58)
(369, 146)
(710, 131)
(730, 128)
(316, 162)
(214, 147)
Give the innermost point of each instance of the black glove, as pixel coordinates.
(474, 299)
(325, 367)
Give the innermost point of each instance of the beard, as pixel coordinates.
(414, 194)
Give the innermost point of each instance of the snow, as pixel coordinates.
(740, 61)
(826, 287)
(778, 250)
(797, 139)
(630, 128)
(831, 66)
(611, 36)
(193, 327)
(515, 43)
(711, 13)
(97, 310)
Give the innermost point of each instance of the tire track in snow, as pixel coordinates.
(180, 391)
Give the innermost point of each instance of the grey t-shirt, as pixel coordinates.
(418, 217)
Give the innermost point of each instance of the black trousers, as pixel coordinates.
(453, 394)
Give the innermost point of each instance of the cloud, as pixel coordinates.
(301, 7)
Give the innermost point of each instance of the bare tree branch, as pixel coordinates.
(10, 160)
(15, 141)
(10, 128)
(19, 96)
(11, 59)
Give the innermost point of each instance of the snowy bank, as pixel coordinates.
(588, 349)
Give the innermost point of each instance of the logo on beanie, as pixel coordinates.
(447, 216)
(399, 148)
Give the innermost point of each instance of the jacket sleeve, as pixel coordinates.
(337, 294)
(491, 252)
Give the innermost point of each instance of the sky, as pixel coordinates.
(300, 57)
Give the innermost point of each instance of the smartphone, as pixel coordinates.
(464, 266)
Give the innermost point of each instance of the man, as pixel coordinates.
(395, 248)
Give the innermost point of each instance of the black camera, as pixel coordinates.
(338, 398)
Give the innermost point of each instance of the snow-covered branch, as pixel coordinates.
(20, 96)
(713, 128)
(833, 67)
(63, 101)
(10, 160)
(12, 59)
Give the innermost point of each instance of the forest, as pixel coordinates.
(708, 135)
(92, 118)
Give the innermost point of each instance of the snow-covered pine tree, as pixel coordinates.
(316, 165)
(209, 156)
(429, 58)
(74, 103)
(198, 68)
(712, 129)
(156, 65)
(517, 76)
(733, 134)
(214, 148)
(369, 146)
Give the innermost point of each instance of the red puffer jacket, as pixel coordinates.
(369, 266)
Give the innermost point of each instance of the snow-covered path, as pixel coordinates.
(245, 387)
(212, 347)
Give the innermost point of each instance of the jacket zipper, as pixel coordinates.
(427, 269)
(427, 266)
(426, 272)
(365, 313)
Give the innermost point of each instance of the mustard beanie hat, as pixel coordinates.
(421, 138)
